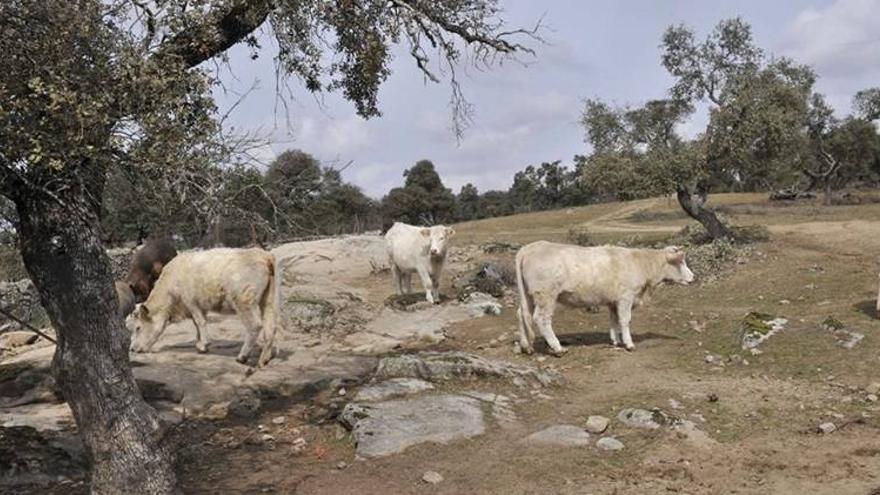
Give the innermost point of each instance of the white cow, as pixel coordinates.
(419, 250)
(246, 282)
(620, 278)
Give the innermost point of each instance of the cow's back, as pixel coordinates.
(212, 278)
(597, 273)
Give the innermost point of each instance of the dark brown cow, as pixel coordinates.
(147, 264)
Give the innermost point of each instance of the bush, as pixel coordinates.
(580, 236)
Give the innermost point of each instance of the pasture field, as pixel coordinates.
(760, 412)
(756, 412)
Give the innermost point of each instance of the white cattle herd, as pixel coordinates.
(247, 282)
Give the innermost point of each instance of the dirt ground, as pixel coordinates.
(760, 411)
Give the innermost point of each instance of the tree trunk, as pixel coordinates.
(829, 192)
(62, 251)
(707, 218)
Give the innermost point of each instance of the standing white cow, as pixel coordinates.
(246, 282)
(620, 278)
(419, 250)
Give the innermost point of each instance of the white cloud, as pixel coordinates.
(841, 40)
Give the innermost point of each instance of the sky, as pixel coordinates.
(527, 113)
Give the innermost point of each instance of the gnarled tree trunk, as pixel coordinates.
(694, 207)
(62, 250)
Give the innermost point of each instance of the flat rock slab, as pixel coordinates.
(560, 436)
(386, 428)
(642, 418)
(447, 365)
(389, 389)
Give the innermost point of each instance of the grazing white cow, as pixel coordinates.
(620, 278)
(419, 250)
(246, 282)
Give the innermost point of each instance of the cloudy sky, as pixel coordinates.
(526, 114)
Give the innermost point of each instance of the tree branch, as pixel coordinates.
(219, 32)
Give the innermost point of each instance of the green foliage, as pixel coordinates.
(467, 204)
(423, 199)
(866, 103)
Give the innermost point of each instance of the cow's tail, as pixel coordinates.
(271, 310)
(524, 314)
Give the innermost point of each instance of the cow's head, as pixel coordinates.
(141, 324)
(676, 267)
(439, 236)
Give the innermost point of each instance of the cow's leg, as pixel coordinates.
(624, 313)
(397, 278)
(427, 284)
(544, 319)
(201, 324)
(251, 325)
(407, 282)
(615, 325)
(526, 336)
(435, 282)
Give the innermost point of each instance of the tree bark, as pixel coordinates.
(707, 218)
(829, 192)
(62, 251)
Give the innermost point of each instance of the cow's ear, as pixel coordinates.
(675, 258)
(426, 232)
(143, 312)
(450, 231)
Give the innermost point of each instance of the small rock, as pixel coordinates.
(279, 420)
(871, 398)
(873, 388)
(267, 437)
(541, 359)
(597, 424)
(713, 397)
(826, 428)
(299, 445)
(561, 436)
(342, 391)
(674, 404)
(697, 326)
(641, 418)
(519, 382)
(432, 477)
(784, 301)
(709, 358)
(609, 444)
(341, 465)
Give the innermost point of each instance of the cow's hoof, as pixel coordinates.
(201, 348)
(241, 359)
(558, 352)
(630, 348)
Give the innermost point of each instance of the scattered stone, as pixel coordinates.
(480, 304)
(267, 437)
(826, 428)
(342, 392)
(674, 404)
(845, 337)
(712, 397)
(341, 465)
(279, 420)
(432, 477)
(642, 418)
(519, 382)
(560, 436)
(758, 327)
(395, 387)
(454, 364)
(873, 388)
(597, 424)
(697, 326)
(387, 428)
(609, 444)
(298, 445)
(871, 398)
